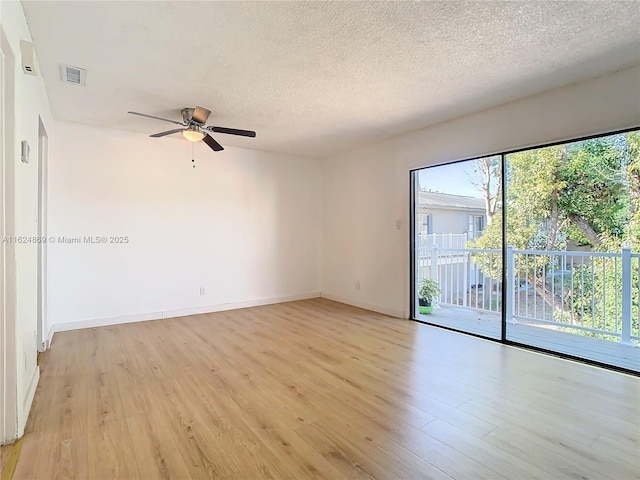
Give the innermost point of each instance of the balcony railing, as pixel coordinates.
(442, 240)
(591, 293)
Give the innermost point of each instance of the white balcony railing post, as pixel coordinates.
(465, 279)
(625, 337)
(510, 286)
(434, 262)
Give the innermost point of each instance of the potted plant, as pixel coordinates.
(429, 290)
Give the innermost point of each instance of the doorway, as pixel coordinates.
(8, 368)
(43, 151)
(563, 219)
(458, 283)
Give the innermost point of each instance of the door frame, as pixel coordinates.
(413, 172)
(43, 158)
(8, 358)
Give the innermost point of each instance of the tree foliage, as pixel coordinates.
(632, 234)
(486, 176)
(578, 192)
(586, 193)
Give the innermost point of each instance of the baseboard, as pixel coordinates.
(234, 306)
(367, 306)
(28, 400)
(103, 322)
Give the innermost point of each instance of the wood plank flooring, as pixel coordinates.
(489, 324)
(5, 452)
(319, 390)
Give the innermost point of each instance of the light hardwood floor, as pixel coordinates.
(489, 324)
(5, 452)
(317, 389)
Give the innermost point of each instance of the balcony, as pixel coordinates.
(584, 304)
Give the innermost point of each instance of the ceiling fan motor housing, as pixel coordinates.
(187, 114)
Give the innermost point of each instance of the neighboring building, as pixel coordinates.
(447, 222)
(442, 213)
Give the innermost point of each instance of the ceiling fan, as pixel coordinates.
(194, 129)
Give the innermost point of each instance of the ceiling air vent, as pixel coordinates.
(73, 75)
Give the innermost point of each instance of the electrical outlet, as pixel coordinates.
(357, 284)
(203, 291)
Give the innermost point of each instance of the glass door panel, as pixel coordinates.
(573, 233)
(458, 246)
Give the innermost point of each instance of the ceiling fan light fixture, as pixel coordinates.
(193, 127)
(193, 135)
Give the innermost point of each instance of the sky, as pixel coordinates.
(452, 179)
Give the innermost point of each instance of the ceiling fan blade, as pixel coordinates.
(200, 115)
(215, 146)
(168, 132)
(157, 118)
(232, 131)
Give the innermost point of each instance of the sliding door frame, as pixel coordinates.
(503, 314)
(412, 244)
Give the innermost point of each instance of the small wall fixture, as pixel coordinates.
(24, 151)
(27, 57)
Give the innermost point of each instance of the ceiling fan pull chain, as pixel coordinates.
(193, 159)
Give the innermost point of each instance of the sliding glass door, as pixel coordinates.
(458, 270)
(567, 231)
(573, 233)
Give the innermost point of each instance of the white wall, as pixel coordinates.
(245, 225)
(30, 102)
(366, 191)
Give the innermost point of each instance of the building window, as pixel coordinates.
(427, 224)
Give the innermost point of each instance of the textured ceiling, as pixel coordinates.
(317, 78)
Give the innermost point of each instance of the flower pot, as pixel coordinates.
(425, 309)
(424, 306)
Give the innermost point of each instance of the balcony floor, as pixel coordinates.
(487, 324)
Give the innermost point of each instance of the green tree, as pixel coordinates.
(632, 234)
(586, 193)
(594, 197)
(486, 176)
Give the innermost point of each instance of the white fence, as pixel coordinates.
(442, 240)
(592, 293)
